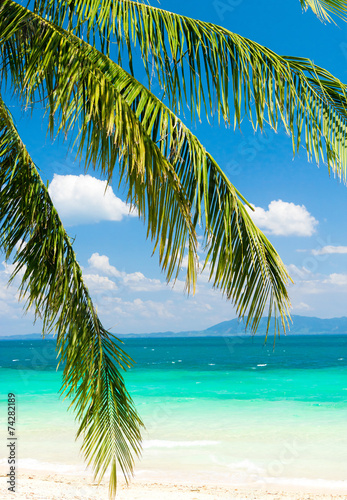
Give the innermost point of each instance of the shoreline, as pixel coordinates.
(41, 485)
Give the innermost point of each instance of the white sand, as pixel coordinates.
(47, 486)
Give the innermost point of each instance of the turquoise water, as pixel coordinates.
(218, 409)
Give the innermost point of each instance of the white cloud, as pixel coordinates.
(306, 284)
(9, 269)
(82, 199)
(102, 263)
(330, 249)
(299, 272)
(136, 281)
(149, 307)
(139, 283)
(284, 219)
(20, 245)
(337, 279)
(136, 309)
(302, 306)
(95, 282)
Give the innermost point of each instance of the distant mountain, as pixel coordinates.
(302, 325)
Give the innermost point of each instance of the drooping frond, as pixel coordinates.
(212, 69)
(321, 8)
(82, 94)
(53, 285)
(122, 120)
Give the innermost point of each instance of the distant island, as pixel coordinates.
(302, 325)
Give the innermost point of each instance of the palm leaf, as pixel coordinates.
(53, 284)
(321, 8)
(127, 123)
(219, 72)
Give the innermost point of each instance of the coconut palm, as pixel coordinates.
(77, 57)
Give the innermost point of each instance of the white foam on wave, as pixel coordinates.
(158, 443)
(263, 364)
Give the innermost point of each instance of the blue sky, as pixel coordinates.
(300, 209)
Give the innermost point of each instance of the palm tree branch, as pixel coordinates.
(243, 263)
(52, 283)
(155, 191)
(225, 73)
(321, 8)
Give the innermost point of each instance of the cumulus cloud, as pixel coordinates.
(337, 279)
(136, 281)
(83, 199)
(284, 219)
(98, 283)
(330, 249)
(102, 264)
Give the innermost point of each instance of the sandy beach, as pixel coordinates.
(47, 486)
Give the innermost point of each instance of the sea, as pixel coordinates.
(226, 410)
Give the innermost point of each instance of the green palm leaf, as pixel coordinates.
(321, 8)
(53, 285)
(219, 72)
(243, 264)
(123, 129)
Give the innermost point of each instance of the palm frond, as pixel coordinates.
(123, 121)
(321, 8)
(219, 72)
(53, 285)
(81, 96)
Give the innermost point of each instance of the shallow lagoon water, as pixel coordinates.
(229, 410)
